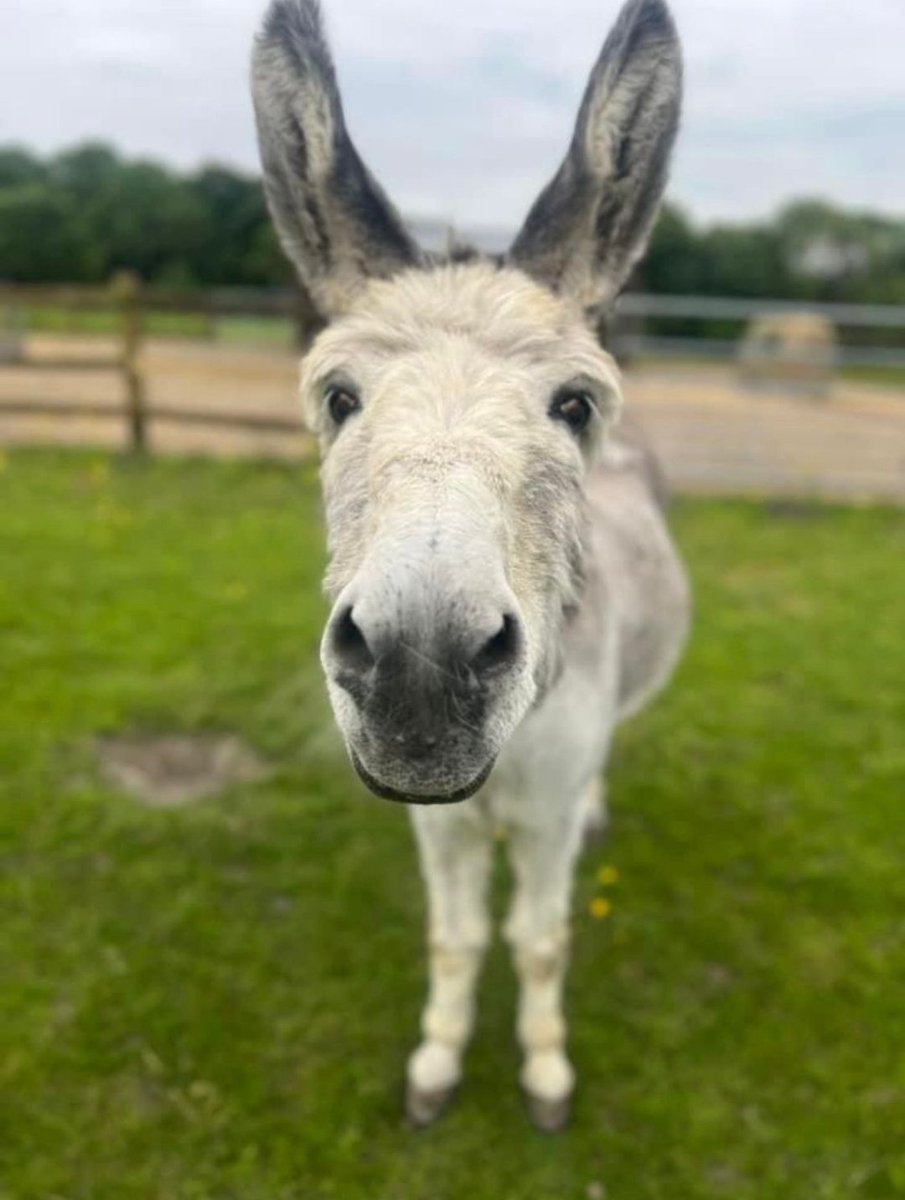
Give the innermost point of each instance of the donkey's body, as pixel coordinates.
(545, 793)
(505, 587)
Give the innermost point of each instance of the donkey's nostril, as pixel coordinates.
(500, 651)
(350, 645)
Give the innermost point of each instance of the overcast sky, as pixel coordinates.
(463, 109)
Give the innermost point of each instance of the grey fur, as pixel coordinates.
(585, 232)
(334, 221)
(592, 222)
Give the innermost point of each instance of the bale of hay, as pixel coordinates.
(789, 352)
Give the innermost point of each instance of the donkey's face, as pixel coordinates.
(458, 406)
(457, 409)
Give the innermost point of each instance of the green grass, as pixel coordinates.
(107, 323)
(257, 331)
(893, 377)
(215, 1003)
(260, 331)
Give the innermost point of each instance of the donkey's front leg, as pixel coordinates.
(456, 850)
(537, 928)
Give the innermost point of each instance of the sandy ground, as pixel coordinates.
(711, 435)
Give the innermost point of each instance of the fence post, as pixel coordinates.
(127, 291)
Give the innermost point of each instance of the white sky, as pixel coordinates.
(464, 109)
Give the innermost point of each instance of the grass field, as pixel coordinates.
(215, 1003)
(275, 332)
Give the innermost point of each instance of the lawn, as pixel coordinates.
(215, 1002)
(230, 330)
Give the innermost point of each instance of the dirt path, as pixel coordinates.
(711, 436)
(714, 437)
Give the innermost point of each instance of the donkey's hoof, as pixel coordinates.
(549, 1116)
(423, 1108)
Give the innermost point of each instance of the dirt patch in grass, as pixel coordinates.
(177, 769)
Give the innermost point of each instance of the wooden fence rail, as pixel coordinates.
(132, 303)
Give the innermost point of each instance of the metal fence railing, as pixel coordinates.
(641, 327)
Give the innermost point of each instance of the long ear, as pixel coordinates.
(591, 223)
(333, 219)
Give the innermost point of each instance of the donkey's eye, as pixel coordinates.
(574, 408)
(342, 403)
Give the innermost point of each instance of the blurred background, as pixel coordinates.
(214, 943)
(777, 269)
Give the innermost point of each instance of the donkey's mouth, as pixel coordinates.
(402, 797)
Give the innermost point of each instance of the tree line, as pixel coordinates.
(87, 213)
(83, 214)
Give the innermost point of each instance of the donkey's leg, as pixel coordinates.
(538, 930)
(456, 852)
(596, 812)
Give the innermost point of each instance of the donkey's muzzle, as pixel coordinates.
(468, 659)
(425, 697)
(389, 793)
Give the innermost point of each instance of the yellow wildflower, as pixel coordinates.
(607, 876)
(600, 908)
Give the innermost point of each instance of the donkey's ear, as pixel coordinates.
(334, 221)
(591, 223)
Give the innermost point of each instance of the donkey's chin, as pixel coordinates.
(411, 794)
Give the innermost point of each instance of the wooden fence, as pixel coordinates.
(132, 304)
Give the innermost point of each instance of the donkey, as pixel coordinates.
(504, 585)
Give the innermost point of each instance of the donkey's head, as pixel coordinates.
(458, 404)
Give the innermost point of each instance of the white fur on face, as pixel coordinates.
(460, 357)
(456, 369)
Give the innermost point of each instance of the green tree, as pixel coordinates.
(674, 262)
(85, 172)
(86, 213)
(145, 220)
(18, 166)
(39, 241)
(235, 215)
(744, 260)
(842, 255)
